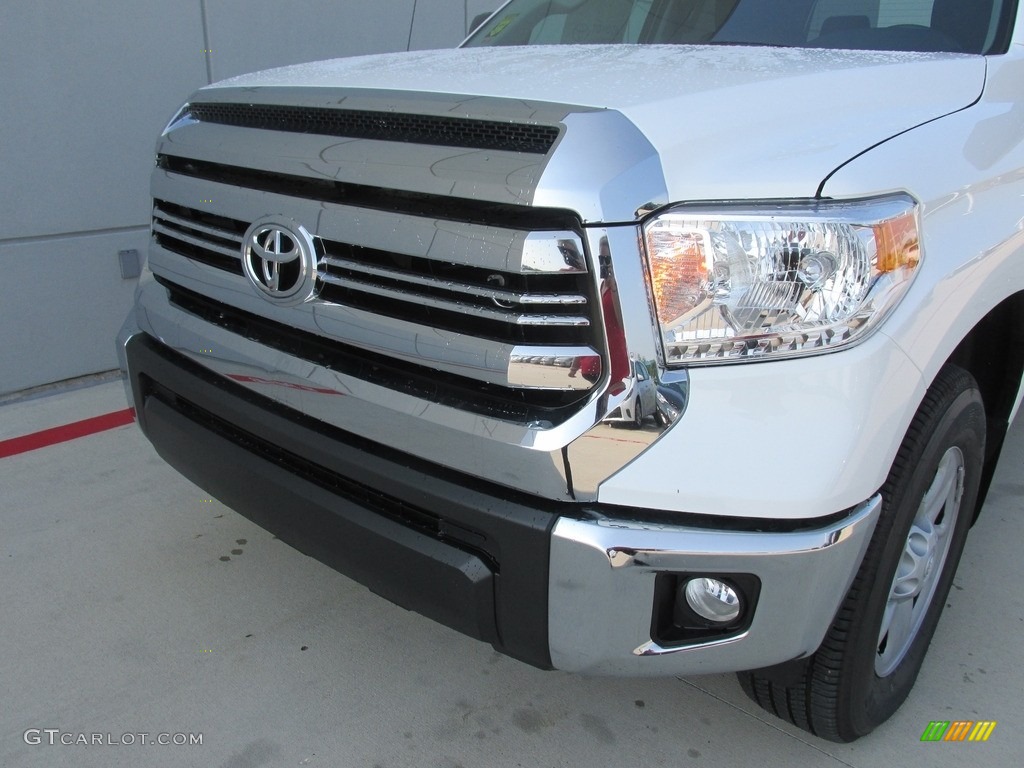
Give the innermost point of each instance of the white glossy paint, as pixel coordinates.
(728, 122)
(973, 222)
(834, 423)
(788, 439)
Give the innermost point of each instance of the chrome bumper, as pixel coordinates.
(602, 572)
(601, 594)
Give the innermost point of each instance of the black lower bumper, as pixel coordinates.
(469, 555)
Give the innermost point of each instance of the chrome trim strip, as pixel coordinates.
(623, 294)
(470, 290)
(606, 568)
(550, 367)
(159, 213)
(553, 321)
(454, 306)
(477, 245)
(566, 256)
(536, 299)
(198, 241)
(604, 168)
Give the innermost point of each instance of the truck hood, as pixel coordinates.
(726, 121)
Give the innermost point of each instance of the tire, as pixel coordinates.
(872, 653)
(638, 414)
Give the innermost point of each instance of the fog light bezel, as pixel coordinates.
(674, 623)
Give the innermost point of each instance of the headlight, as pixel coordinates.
(734, 283)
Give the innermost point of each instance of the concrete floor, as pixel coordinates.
(133, 603)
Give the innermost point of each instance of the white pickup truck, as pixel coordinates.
(393, 301)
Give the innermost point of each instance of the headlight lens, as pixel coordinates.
(766, 281)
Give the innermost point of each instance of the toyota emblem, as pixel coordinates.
(278, 257)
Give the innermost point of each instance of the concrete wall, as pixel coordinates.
(85, 89)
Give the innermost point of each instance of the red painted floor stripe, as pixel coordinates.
(65, 432)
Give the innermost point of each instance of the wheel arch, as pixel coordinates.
(993, 353)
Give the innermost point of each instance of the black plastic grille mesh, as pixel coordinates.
(384, 126)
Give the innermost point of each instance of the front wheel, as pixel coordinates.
(638, 414)
(873, 651)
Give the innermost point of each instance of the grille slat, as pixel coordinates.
(383, 126)
(190, 224)
(398, 201)
(212, 240)
(512, 318)
(453, 287)
(199, 242)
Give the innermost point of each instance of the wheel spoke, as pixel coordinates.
(899, 631)
(912, 568)
(920, 564)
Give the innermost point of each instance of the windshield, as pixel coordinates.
(959, 26)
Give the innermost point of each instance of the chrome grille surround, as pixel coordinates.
(520, 411)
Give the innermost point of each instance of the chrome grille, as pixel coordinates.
(200, 236)
(520, 405)
(503, 306)
(539, 318)
(433, 265)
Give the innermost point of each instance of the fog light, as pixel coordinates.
(712, 600)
